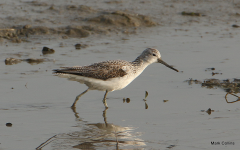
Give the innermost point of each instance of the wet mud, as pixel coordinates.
(191, 14)
(228, 85)
(91, 22)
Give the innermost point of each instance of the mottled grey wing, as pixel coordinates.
(102, 70)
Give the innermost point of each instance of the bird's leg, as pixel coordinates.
(77, 98)
(104, 99)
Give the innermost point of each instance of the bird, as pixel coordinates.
(110, 75)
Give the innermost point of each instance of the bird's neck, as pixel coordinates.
(140, 63)
(137, 61)
(138, 66)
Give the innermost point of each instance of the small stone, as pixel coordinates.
(235, 26)
(78, 46)
(128, 100)
(9, 124)
(27, 26)
(47, 50)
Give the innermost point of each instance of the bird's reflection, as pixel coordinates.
(96, 135)
(108, 134)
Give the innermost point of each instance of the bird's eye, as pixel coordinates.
(154, 54)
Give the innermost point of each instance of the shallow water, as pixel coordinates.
(37, 103)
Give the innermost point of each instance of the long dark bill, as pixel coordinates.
(164, 63)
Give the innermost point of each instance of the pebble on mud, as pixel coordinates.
(146, 105)
(214, 73)
(146, 94)
(11, 61)
(36, 60)
(128, 100)
(80, 46)
(47, 50)
(171, 146)
(235, 26)
(9, 124)
(191, 14)
(210, 69)
(27, 26)
(209, 111)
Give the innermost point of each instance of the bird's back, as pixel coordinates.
(102, 70)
